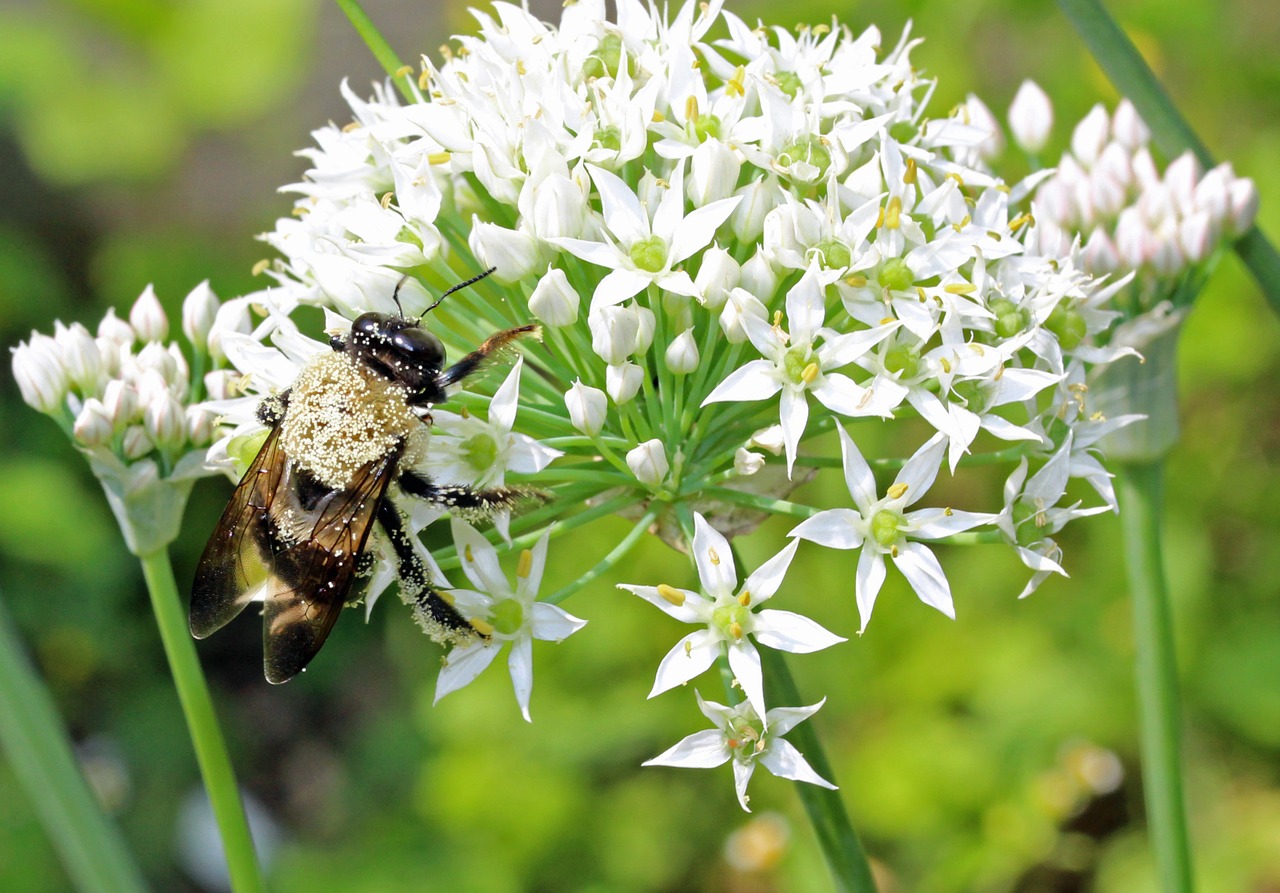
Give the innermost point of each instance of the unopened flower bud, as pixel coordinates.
(979, 116)
(1167, 259)
(222, 384)
(514, 252)
(1127, 126)
(1106, 195)
(1197, 236)
(719, 273)
(747, 463)
(623, 382)
(682, 353)
(772, 439)
(1244, 205)
(201, 425)
(1090, 136)
(1031, 117)
(233, 316)
(147, 317)
(1135, 243)
(1213, 192)
(741, 303)
(137, 443)
(41, 377)
(156, 357)
(120, 401)
(1114, 164)
(1100, 254)
(80, 356)
(759, 197)
(713, 172)
(758, 276)
(93, 426)
(165, 421)
(199, 310)
(559, 209)
(587, 407)
(554, 301)
(647, 324)
(1181, 178)
(114, 329)
(648, 462)
(613, 333)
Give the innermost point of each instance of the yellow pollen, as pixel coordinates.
(386, 200)
(261, 267)
(887, 320)
(945, 364)
(403, 71)
(947, 511)
(735, 630)
(714, 556)
(1020, 221)
(960, 288)
(483, 627)
(897, 491)
(439, 158)
(819, 30)
(909, 175)
(525, 565)
(856, 281)
(466, 553)
(658, 117)
(520, 69)
(892, 213)
(671, 594)
(810, 373)
(744, 598)
(691, 109)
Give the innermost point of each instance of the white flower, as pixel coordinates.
(731, 616)
(882, 526)
(514, 615)
(587, 407)
(648, 462)
(1031, 117)
(554, 300)
(740, 735)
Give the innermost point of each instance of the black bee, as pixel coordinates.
(294, 534)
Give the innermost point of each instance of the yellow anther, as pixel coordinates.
(735, 629)
(777, 318)
(810, 373)
(999, 374)
(886, 320)
(744, 598)
(424, 79)
(977, 348)
(947, 511)
(897, 491)
(909, 175)
(945, 364)
(439, 158)
(1020, 221)
(921, 294)
(954, 176)
(446, 52)
(483, 627)
(892, 213)
(736, 85)
(464, 412)
(714, 556)
(691, 109)
(524, 565)
(671, 594)
(261, 267)
(466, 552)
(688, 649)
(447, 598)
(960, 288)
(354, 125)
(856, 281)
(520, 69)
(658, 117)
(386, 200)
(403, 71)
(893, 551)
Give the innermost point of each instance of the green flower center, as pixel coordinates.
(609, 137)
(1068, 325)
(903, 359)
(903, 131)
(789, 83)
(732, 619)
(507, 616)
(1010, 318)
(886, 527)
(605, 60)
(480, 451)
(649, 254)
(1024, 523)
(706, 127)
(794, 362)
(973, 394)
(808, 148)
(834, 252)
(744, 739)
(895, 275)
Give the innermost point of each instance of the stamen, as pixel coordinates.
(897, 491)
(483, 627)
(671, 594)
(810, 373)
(525, 565)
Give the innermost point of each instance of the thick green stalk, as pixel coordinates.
(378, 45)
(1132, 77)
(1140, 487)
(840, 844)
(202, 724)
(39, 751)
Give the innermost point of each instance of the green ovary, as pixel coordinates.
(904, 360)
(481, 452)
(650, 254)
(706, 127)
(726, 617)
(1068, 325)
(835, 253)
(895, 275)
(1024, 523)
(886, 527)
(806, 148)
(794, 363)
(507, 616)
(1010, 318)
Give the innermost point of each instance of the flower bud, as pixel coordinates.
(1145, 173)
(114, 329)
(93, 426)
(1090, 136)
(759, 197)
(137, 443)
(746, 463)
(1127, 127)
(713, 172)
(80, 356)
(623, 382)
(165, 421)
(682, 353)
(1167, 259)
(647, 324)
(120, 401)
(719, 273)
(222, 384)
(1213, 192)
(1031, 117)
(741, 303)
(201, 425)
(1135, 243)
(772, 439)
(155, 357)
(758, 276)
(554, 300)
(559, 209)
(199, 310)
(41, 377)
(1181, 178)
(514, 252)
(1106, 195)
(648, 462)
(1114, 164)
(147, 317)
(1244, 205)
(613, 333)
(587, 407)
(1100, 254)
(233, 316)
(1197, 236)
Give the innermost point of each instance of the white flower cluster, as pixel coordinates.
(131, 401)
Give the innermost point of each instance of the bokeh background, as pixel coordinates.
(144, 141)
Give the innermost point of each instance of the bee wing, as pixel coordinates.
(312, 574)
(237, 560)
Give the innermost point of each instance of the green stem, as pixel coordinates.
(39, 751)
(378, 46)
(840, 844)
(202, 724)
(1140, 486)
(1126, 68)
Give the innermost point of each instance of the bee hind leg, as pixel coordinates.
(495, 345)
(466, 502)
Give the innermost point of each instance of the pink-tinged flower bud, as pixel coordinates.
(1106, 195)
(1127, 126)
(980, 116)
(554, 301)
(747, 463)
(166, 422)
(613, 333)
(1135, 243)
(156, 357)
(114, 329)
(623, 382)
(1031, 117)
(1145, 173)
(41, 377)
(1050, 239)
(1197, 236)
(120, 401)
(80, 356)
(199, 310)
(147, 317)
(740, 303)
(648, 462)
(758, 276)
(647, 324)
(1244, 205)
(713, 172)
(1181, 178)
(202, 425)
(222, 384)
(1100, 255)
(682, 353)
(1090, 135)
(717, 275)
(1167, 259)
(1053, 201)
(151, 387)
(93, 427)
(1114, 163)
(558, 208)
(587, 407)
(1213, 192)
(136, 443)
(514, 252)
(759, 197)
(1156, 205)
(233, 316)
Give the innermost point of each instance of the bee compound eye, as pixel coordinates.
(419, 348)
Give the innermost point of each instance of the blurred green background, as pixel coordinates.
(143, 141)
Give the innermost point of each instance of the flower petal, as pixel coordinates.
(714, 557)
(701, 750)
(788, 631)
(766, 579)
(870, 577)
(922, 570)
(550, 623)
(520, 665)
(744, 660)
(783, 760)
(751, 381)
(463, 664)
(834, 528)
(691, 657)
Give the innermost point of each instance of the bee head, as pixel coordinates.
(398, 349)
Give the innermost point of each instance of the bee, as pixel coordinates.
(350, 430)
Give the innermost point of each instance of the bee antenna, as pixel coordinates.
(395, 295)
(461, 285)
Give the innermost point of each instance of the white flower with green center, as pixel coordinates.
(796, 365)
(882, 526)
(742, 737)
(731, 615)
(510, 616)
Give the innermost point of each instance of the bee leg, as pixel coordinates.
(466, 502)
(271, 410)
(432, 608)
(472, 361)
